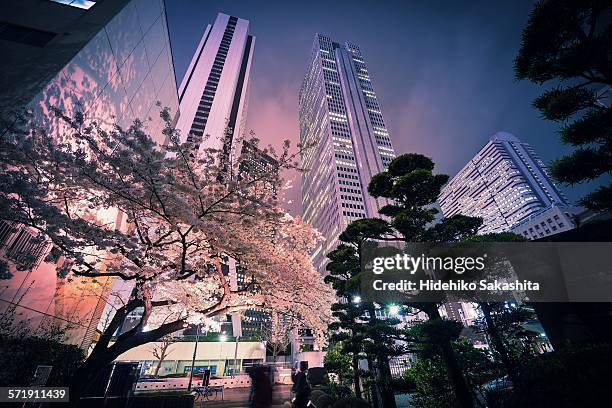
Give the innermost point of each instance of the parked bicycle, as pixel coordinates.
(208, 393)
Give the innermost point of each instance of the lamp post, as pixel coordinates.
(222, 339)
(235, 356)
(195, 350)
(394, 310)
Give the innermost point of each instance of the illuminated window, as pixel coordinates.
(82, 4)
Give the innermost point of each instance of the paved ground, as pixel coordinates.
(239, 397)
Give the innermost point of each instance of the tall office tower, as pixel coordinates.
(111, 61)
(255, 162)
(340, 115)
(508, 186)
(214, 92)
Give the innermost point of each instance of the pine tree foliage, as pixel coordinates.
(567, 44)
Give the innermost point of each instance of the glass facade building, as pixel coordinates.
(117, 76)
(505, 184)
(38, 38)
(341, 117)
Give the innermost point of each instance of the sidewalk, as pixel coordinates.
(239, 397)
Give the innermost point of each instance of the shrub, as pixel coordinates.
(21, 355)
(352, 403)
(339, 391)
(570, 377)
(318, 376)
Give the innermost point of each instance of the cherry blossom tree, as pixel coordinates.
(162, 350)
(180, 212)
(276, 333)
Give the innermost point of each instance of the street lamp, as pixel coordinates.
(222, 339)
(357, 299)
(394, 310)
(235, 356)
(195, 350)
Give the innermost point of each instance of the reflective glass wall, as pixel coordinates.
(120, 74)
(117, 77)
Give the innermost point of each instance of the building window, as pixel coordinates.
(82, 4)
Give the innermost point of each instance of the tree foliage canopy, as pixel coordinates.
(119, 205)
(412, 190)
(569, 42)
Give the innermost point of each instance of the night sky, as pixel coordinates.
(442, 70)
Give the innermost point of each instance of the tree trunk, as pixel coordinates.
(462, 392)
(382, 377)
(102, 355)
(157, 367)
(498, 343)
(375, 391)
(384, 381)
(356, 379)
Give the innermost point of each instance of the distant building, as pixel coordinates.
(339, 114)
(214, 91)
(549, 221)
(110, 60)
(508, 186)
(216, 356)
(255, 161)
(462, 312)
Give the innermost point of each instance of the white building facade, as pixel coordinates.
(508, 185)
(341, 117)
(214, 91)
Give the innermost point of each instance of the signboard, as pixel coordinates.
(199, 369)
(41, 375)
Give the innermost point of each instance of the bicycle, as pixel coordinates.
(207, 393)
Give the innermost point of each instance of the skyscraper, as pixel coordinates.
(214, 91)
(341, 117)
(213, 99)
(508, 186)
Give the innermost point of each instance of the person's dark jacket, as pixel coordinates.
(261, 389)
(301, 388)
